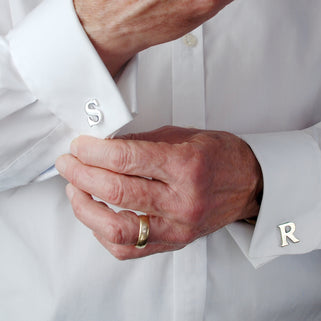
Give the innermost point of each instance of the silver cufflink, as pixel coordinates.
(95, 116)
(287, 232)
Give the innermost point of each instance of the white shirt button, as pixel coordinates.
(190, 40)
(94, 115)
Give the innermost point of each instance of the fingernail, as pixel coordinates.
(74, 147)
(70, 191)
(61, 164)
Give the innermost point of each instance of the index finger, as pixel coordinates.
(130, 157)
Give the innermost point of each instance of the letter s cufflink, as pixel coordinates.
(95, 116)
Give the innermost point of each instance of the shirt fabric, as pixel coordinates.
(254, 70)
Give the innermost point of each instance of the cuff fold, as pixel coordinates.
(291, 167)
(62, 69)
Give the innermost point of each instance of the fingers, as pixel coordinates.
(140, 158)
(122, 228)
(101, 219)
(125, 252)
(130, 192)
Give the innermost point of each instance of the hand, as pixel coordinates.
(120, 29)
(190, 183)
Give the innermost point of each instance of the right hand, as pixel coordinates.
(120, 29)
(190, 182)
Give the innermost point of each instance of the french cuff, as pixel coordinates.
(290, 214)
(62, 69)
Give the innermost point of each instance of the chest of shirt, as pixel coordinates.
(252, 68)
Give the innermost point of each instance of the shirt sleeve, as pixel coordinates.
(291, 167)
(52, 84)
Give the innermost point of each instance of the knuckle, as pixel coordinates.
(121, 157)
(198, 162)
(81, 175)
(197, 168)
(194, 213)
(187, 236)
(116, 235)
(115, 192)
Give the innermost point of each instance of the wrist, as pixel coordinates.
(113, 44)
(252, 210)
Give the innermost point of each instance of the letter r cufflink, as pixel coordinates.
(287, 232)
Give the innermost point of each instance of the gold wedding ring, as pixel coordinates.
(143, 231)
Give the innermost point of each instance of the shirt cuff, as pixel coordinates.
(291, 167)
(62, 69)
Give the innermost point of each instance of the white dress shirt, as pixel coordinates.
(254, 70)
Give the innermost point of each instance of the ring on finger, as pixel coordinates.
(143, 231)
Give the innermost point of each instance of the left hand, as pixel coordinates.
(190, 182)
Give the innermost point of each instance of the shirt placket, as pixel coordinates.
(188, 90)
(188, 110)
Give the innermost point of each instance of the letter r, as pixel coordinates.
(287, 230)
